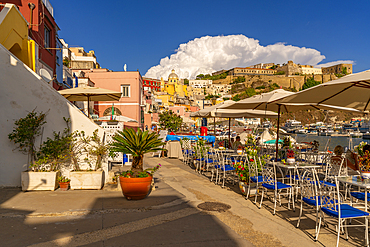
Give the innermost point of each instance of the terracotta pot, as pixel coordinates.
(63, 186)
(135, 188)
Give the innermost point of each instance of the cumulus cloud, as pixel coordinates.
(323, 65)
(209, 54)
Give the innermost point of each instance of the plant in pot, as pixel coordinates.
(242, 171)
(94, 151)
(63, 183)
(136, 182)
(24, 135)
(364, 164)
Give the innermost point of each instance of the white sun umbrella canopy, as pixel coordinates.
(90, 94)
(207, 112)
(272, 101)
(238, 113)
(351, 91)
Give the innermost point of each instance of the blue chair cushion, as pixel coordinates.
(280, 186)
(311, 200)
(228, 168)
(293, 177)
(257, 179)
(202, 159)
(346, 211)
(327, 183)
(361, 196)
(211, 161)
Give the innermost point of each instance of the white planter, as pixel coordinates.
(39, 180)
(86, 180)
(290, 160)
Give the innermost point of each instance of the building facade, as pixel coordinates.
(250, 71)
(152, 85)
(200, 83)
(337, 69)
(310, 70)
(129, 83)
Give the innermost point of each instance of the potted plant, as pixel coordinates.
(136, 182)
(94, 151)
(63, 183)
(24, 135)
(364, 163)
(290, 156)
(242, 172)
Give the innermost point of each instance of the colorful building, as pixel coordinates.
(152, 85)
(129, 83)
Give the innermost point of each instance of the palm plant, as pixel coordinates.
(137, 144)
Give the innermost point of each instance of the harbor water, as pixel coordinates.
(330, 142)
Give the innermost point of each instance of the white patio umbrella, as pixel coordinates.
(349, 91)
(119, 118)
(272, 101)
(90, 94)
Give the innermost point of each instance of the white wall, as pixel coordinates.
(21, 91)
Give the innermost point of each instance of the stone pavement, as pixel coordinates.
(168, 217)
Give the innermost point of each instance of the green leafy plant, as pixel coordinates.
(169, 120)
(54, 151)
(25, 133)
(137, 143)
(364, 161)
(242, 171)
(97, 148)
(63, 179)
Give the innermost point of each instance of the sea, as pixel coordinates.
(330, 142)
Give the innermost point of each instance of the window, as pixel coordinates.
(46, 37)
(125, 90)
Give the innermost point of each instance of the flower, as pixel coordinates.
(242, 171)
(364, 162)
(290, 153)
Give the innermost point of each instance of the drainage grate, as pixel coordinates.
(214, 206)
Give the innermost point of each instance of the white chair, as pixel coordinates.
(333, 206)
(270, 183)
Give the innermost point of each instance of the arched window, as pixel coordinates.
(108, 111)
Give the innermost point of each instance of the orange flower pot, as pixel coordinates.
(63, 186)
(135, 188)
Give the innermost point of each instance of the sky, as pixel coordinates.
(195, 37)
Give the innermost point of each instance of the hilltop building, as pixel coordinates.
(238, 71)
(337, 69)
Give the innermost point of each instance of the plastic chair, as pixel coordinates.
(333, 206)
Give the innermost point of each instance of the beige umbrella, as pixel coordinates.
(90, 94)
(272, 101)
(237, 113)
(349, 91)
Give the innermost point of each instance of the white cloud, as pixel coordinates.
(209, 54)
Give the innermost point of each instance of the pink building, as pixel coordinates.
(179, 110)
(129, 84)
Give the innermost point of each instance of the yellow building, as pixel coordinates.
(174, 85)
(14, 35)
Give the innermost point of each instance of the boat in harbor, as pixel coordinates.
(325, 131)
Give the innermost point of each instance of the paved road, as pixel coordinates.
(168, 217)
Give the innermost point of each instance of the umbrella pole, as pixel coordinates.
(88, 106)
(277, 134)
(214, 126)
(229, 131)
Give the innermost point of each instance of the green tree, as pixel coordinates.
(236, 97)
(250, 91)
(280, 73)
(310, 82)
(186, 82)
(200, 76)
(169, 120)
(240, 79)
(344, 71)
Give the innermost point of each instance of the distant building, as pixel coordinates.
(337, 69)
(263, 66)
(200, 83)
(290, 68)
(151, 85)
(83, 60)
(309, 70)
(250, 71)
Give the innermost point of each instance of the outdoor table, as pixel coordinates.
(174, 150)
(356, 181)
(225, 150)
(290, 167)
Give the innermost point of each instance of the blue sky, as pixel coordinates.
(141, 33)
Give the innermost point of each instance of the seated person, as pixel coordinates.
(350, 158)
(231, 143)
(237, 143)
